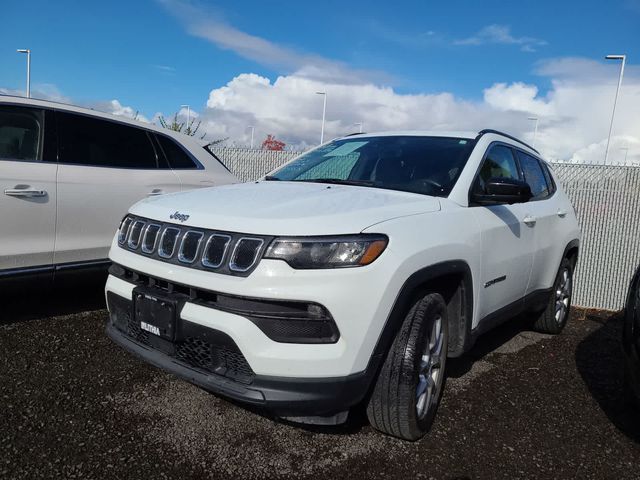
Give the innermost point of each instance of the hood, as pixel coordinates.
(286, 208)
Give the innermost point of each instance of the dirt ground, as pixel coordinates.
(519, 405)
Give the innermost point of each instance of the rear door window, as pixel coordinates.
(84, 140)
(21, 130)
(534, 175)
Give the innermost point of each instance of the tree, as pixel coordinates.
(190, 129)
(177, 126)
(271, 143)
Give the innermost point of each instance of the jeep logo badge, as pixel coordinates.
(179, 216)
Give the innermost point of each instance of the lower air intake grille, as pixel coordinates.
(218, 359)
(200, 347)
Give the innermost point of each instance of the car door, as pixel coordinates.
(507, 237)
(27, 191)
(104, 167)
(548, 216)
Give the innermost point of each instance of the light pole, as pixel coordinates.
(188, 107)
(359, 126)
(324, 111)
(535, 130)
(626, 151)
(28, 52)
(615, 101)
(253, 129)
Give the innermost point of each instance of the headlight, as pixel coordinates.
(328, 252)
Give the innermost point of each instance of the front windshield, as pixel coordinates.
(426, 165)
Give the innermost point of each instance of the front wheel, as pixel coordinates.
(409, 387)
(555, 315)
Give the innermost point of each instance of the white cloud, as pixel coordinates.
(165, 69)
(114, 107)
(501, 34)
(574, 113)
(209, 25)
(517, 96)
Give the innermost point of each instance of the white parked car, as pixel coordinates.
(68, 173)
(349, 275)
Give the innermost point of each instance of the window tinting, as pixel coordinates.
(84, 140)
(176, 156)
(426, 165)
(548, 178)
(498, 163)
(533, 175)
(20, 132)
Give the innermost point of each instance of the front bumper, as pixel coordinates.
(358, 299)
(282, 396)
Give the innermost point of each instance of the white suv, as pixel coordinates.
(348, 275)
(67, 174)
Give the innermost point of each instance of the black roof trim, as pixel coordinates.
(498, 132)
(354, 133)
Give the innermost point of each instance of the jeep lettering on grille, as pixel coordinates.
(179, 216)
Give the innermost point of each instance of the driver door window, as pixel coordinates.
(499, 162)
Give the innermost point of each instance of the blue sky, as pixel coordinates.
(119, 49)
(392, 65)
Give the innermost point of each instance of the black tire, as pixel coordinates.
(395, 407)
(552, 320)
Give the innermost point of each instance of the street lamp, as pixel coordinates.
(626, 151)
(535, 130)
(359, 124)
(28, 52)
(188, 115)
(253, 129)
(324, 111)
(615, 101)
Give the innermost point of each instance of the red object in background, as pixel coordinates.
(271, 143)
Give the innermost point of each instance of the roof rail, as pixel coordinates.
(354, 133)
(498, 132)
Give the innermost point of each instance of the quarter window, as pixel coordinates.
(84, 140)
(548, 178)
(176, 156)
(534, 175)
(20, 133)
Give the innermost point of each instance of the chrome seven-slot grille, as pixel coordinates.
(222, 252)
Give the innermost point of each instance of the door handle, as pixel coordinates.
(155, 192)
(23, 192)
(562, 213)
(530, 221)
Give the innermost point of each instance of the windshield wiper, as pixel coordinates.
(339, 181)
(271, 178)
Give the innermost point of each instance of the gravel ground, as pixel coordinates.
(520, 405)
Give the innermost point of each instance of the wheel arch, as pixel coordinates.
(571, 252)
(453, 280)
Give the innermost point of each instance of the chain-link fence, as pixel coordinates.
(247, 164)
(607, 201)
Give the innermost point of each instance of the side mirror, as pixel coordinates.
(503, 190)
